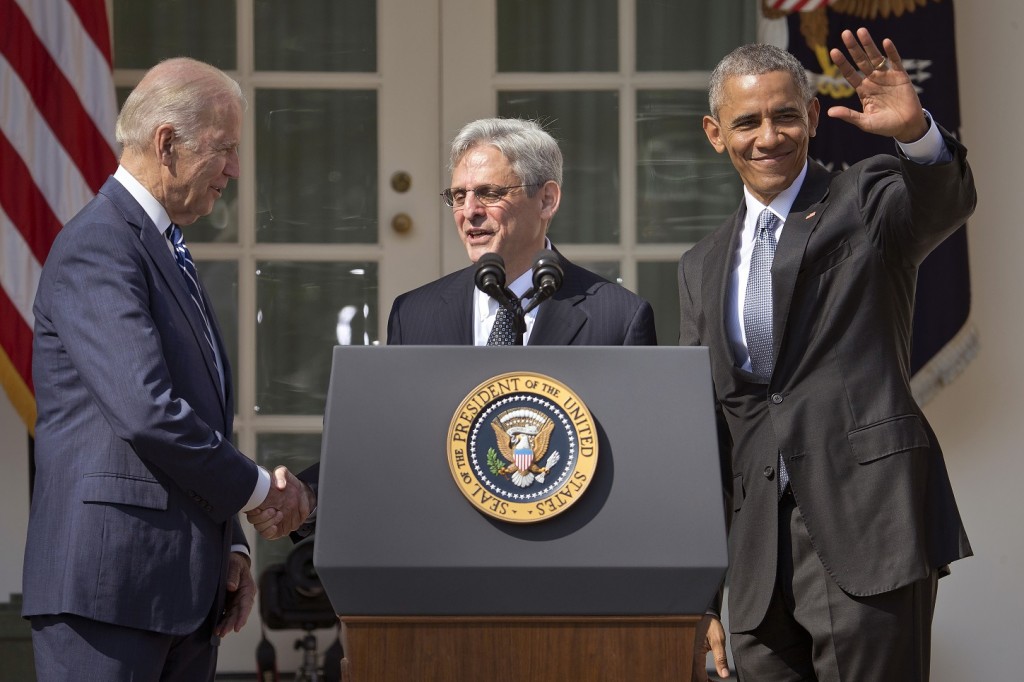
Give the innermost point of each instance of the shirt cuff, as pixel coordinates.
(241, 549)
(259, 494)
(930, 149)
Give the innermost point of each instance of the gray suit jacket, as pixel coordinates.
(864, 465)
(137, 488)
(586, 311)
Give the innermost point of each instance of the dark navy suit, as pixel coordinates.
(137, 488)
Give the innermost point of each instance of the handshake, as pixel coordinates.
(286, 507)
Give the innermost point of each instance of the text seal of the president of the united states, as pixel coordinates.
(522, 447)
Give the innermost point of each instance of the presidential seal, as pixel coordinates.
(522, 447)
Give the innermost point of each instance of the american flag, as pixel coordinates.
(57, 113)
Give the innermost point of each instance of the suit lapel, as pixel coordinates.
(455, 311)
(156, 247)
(716, 273)
(800, 223)
(559, 319)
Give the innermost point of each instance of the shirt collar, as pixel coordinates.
(153, 208)
(780, 205)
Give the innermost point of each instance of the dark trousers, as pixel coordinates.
(68, 647)
(815, 631)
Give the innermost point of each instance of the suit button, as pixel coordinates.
(769, 472)
(776, 398)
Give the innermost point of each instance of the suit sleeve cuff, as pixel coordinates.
(260, 492)
(930, 149)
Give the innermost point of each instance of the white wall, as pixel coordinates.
(979, 419)
(979, 619)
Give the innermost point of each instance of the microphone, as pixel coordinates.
(547, 277)
(547, 273)
(490, 279)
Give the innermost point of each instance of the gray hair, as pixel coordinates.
(532, 152)
(182, 92)
(753, 60)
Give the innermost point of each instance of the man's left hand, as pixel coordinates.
(888, 98)
(240, 597)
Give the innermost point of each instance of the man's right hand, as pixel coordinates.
(709, 636)
(285, 508)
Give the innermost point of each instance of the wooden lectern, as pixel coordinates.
(430, 588)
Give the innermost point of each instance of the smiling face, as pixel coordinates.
(765, 126)
(513, 227)
(195, 178)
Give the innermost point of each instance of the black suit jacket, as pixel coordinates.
(864, 465)
(586, 311)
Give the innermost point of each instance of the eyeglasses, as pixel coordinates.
(485, 194)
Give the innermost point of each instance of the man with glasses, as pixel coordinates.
(505, 190)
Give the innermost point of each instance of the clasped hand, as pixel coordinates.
(286, 507)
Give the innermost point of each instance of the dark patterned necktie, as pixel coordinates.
(757, 311)
(503, 332)
(188, 270)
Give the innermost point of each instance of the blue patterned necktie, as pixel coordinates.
(188, 270)
(503, 332)
(757, 310)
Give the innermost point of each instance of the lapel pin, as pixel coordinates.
(810, 215)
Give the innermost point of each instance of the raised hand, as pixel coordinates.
(888, 98)
(287, 505)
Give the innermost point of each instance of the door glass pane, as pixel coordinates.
(146, 32)
(295, 451)
(658, 283)
(586, 125)
(684, 188)
(220, 281)
(316, 166)
(303, 310)
(558, 35)
(608, 269)
(690, 36)
(316, 35)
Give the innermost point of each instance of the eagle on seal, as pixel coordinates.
(522, 435)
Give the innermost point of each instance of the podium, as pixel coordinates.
(428, 587)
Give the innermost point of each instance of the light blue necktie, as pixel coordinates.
(757, 310)
(188, 270)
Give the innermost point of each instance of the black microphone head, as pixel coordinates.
(490, 273)
(547, 271)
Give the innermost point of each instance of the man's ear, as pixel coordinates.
(713, 129)
(165, 141)
(550, 197)
(813, 114)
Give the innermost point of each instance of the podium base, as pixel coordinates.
(516, 648)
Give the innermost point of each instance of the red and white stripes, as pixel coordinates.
(57, 113)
